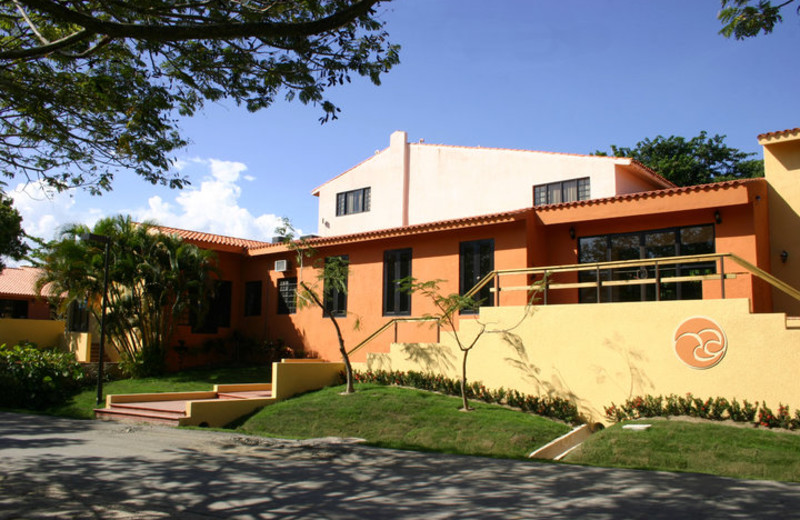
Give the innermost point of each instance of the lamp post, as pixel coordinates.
(106, 241)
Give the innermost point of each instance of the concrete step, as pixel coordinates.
(793, 322)
(141, 416)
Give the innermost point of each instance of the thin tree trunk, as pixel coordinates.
(464, 403)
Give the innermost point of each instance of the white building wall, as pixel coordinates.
(418, 183)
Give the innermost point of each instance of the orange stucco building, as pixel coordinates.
(629, 261)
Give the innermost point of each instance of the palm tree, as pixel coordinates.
(153, 278)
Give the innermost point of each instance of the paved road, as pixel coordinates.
(59, 468)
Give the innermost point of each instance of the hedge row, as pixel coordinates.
(553, 407)
(34, 379)
(717, 408)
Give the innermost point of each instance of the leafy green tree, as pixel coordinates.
(92, 87)
(746, 18)
(333, 274)
(688, 162)
(154, 279)
(12, 236)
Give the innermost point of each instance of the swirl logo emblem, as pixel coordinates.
(700, 342)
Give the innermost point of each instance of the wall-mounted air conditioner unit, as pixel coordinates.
(281, 265)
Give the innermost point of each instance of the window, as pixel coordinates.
(476, 261)
(691, 240)
(355, 201)
(78, 316)
(14, 309)
(218, 313)
(252, 298)
(287, 296)
(564, 191)
(335, 290)
(396, 266)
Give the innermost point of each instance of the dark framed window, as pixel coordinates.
(78, 316)
(354, 201)
(660, 243)
(562, 191)
(335, 294)
(252, 298)
(396, 266)
(14, 309)
(287, 296)
(218, 313)
(476, 260)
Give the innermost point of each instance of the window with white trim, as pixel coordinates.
(354, 201)
(562, 191)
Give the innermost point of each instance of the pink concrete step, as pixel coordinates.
(140, 415)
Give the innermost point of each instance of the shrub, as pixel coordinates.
(35, 379)
(553, 407)
(717, 409)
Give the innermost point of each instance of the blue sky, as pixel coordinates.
(571, 76)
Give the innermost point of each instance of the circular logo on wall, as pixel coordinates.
(700, 342)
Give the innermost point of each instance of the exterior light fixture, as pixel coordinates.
(106, 241)
(784, 256)
(572, 232)
(717, 217)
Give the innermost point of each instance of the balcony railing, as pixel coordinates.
(656, 272)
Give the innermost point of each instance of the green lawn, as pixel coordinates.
(406, 419)
(414, 419)
(81, 405)
(677, 445)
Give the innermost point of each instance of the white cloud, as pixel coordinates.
(212, 207)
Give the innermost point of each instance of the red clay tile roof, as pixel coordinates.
(21, 281)
(428, 227)
(781, 133)
(714, 186)
(210, 238)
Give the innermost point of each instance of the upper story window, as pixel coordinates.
(354, 201)
(563, 191)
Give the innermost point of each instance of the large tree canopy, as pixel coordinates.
(91, 87)
(687, 162)
(12, 237)
(746, 18)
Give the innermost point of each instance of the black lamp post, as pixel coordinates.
(106, 241)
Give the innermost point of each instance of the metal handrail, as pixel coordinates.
(600, 266)
(384, 327)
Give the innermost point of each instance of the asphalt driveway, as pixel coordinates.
(61, 468)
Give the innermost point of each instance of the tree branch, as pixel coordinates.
(216, 31)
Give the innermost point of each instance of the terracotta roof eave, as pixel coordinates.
(650, 194)
(430, 227)
(237, 244)
(765, 138)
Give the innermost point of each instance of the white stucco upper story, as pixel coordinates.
(415, 183)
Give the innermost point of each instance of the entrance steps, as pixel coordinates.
(793, 322)
(225, 403)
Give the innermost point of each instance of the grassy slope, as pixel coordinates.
(676, 445)
(408, 419)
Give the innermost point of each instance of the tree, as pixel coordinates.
(447, 311)
(746, 18)
(154, 279)
(698, 160)
(92, 87)
(333, 274)
(12, 237)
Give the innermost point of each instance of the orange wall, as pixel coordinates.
(435, 256)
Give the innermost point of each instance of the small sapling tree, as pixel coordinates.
(333, 274)
(448, 308)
